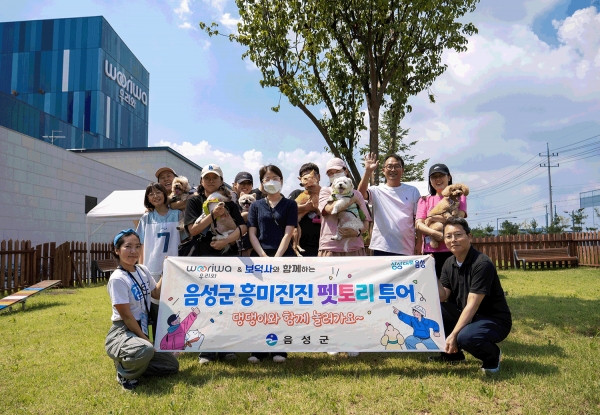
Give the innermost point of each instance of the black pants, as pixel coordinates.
(479, 337)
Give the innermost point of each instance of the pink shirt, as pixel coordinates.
(329, 226)
(423, 209)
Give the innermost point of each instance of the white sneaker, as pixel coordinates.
(203, 360)
(279, 359)
(254, 359)
(353, 354)
(333, 353)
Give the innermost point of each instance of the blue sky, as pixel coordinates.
(530, 76)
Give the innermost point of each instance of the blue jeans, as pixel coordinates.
(412, 341)
(478, 337)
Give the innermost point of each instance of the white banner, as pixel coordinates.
(362, 304)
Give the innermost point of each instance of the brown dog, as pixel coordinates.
(447, 207)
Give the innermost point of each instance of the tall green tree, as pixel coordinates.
(344, 54)
(558, 225)
(509, 228)
(578, 217)
(391, 141)
(482, 231)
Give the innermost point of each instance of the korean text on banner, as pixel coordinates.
(363, 304)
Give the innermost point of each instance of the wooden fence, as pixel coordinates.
(21, 265)
(500, 249)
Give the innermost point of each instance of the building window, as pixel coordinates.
(90, 203)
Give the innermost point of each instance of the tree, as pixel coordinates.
(558, 225)
(482, 232)
(509, 228)
(391, 137)
(343, 54)
(532, 227)
(577, 218)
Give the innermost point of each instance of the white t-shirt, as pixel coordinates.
(394, 210)
(160, 238)
(123, 290)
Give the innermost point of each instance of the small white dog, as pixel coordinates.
(194, 336)
(345, 206)
(246, 200)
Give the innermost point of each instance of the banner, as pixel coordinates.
(362, 304)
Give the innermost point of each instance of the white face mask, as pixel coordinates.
(272, 187)
(336, 176)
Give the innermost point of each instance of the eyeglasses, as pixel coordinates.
(457, 235)
(155, 194)
(391, 167)
(274, 178)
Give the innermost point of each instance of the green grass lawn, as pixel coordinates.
(52, 360)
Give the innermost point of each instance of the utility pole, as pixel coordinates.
(548, 165)
(546, 206)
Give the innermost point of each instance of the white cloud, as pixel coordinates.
(185, 25)
(229, 22)
(183, 12)
(217, 4)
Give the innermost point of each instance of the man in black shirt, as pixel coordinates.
(310, 223)
(474, 309)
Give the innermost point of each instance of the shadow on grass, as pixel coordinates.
(313, 367)
(29, 307)
(571, 314)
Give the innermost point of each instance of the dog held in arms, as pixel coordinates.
(180, 191)
(303, 198)
(447, 207)
(223, 226)
(345, 206)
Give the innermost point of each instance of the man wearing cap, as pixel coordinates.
(175, 337)
(243, 184)
(421, 327)
(165, 176)
(474, 310)
(394, 207)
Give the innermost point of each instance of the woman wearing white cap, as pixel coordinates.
(439, 179)
(211, 180)
(352, 243)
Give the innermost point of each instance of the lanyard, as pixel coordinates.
(143, 292)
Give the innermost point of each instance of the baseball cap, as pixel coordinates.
(163, 169)
(335, 164)
(419, 309)
(211, 168)
(172, 318)
(243, 176)
(439, 168)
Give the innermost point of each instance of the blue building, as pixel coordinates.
(75, 76)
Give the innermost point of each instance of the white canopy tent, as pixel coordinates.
(119, 206)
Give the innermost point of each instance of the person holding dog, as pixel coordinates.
(439, 179)
(211, 181)
(127, 343)
(308, 207)
(475, 313)
(165, 176)
(242, 185)
(352, 243)
(394, 207)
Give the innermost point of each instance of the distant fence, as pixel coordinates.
(22, 265)
(500, 249)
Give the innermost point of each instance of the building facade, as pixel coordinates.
(75, 79)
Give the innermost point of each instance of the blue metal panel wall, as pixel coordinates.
(31, 64)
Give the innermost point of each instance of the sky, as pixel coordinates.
(529, 78)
